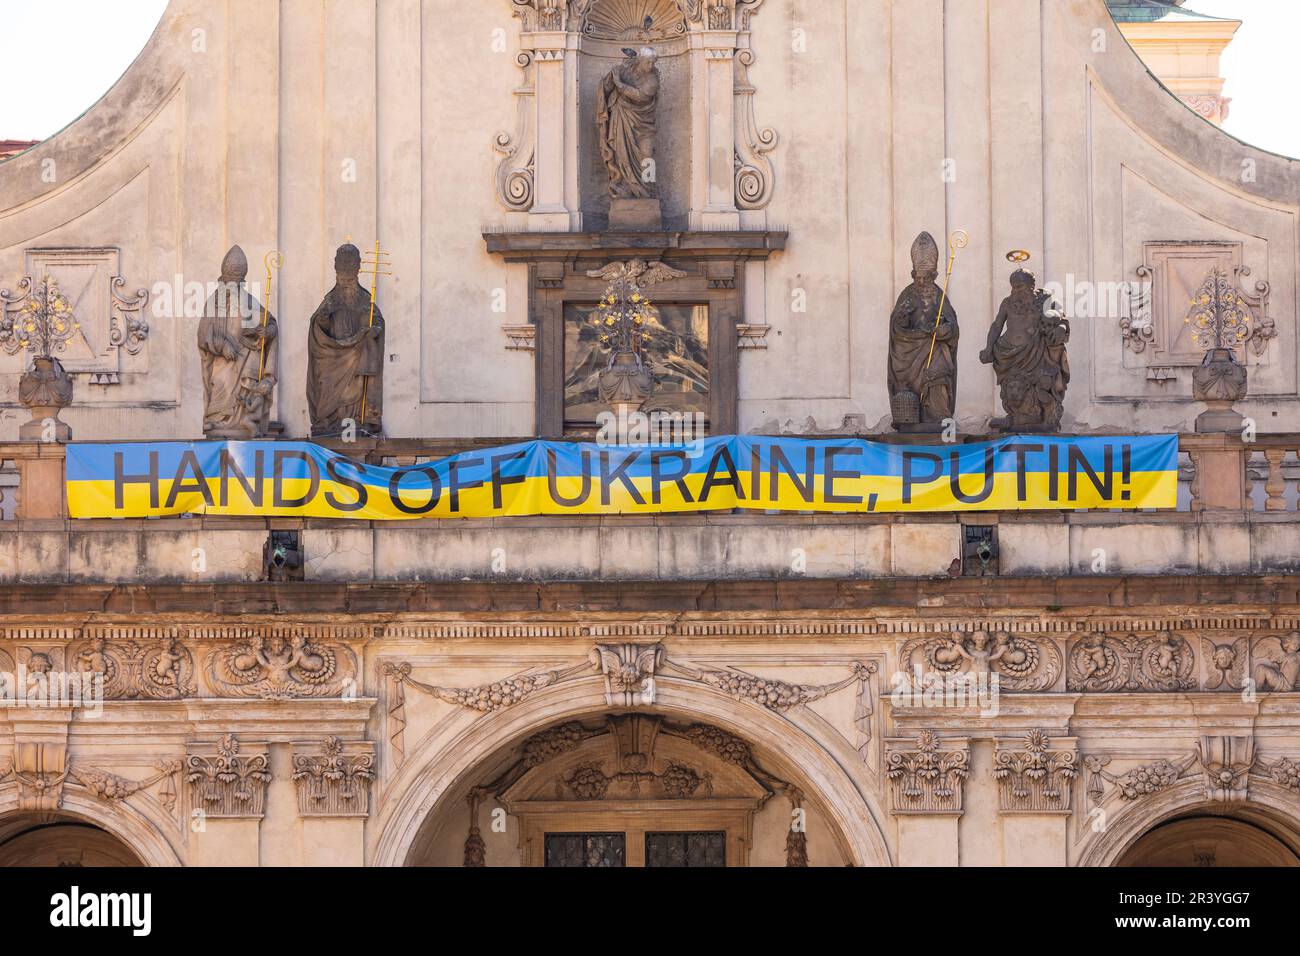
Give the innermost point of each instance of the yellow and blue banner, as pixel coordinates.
(300, 479)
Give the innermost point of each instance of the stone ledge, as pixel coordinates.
(304, 599)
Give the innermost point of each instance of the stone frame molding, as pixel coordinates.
(715, 264)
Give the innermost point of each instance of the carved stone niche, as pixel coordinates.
(560, 289)
(712, 158)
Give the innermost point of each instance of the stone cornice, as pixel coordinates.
(199, 625)
(959, 599)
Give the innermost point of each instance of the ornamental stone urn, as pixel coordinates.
(45, 389)
(1218, 382)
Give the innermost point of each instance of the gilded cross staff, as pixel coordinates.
(958, 240)
(376, 264)
(273, 260)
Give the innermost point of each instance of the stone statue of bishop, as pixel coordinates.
(923, 347)
(345, 355)
(238, 355)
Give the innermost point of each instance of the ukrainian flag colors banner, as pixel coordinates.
(299, 479)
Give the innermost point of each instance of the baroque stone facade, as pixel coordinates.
(756, 689)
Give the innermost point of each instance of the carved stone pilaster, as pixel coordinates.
(538, 172)
(1033, 776)
(225, 783)
(926, 777)
(335, 781)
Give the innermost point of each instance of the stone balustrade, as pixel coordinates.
(1237, 514)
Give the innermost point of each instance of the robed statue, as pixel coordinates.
(237, 340)
(625, 119)
(1026, 348)
(923, 347)
(345, 355)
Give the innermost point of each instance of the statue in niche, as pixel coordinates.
(238, 354)
(345, 355)
(626, 128)
(1026, 348)
(922, 347)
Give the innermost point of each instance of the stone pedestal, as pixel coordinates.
(1219, 417)
(40, 486)
(35, 430)
(635, 215)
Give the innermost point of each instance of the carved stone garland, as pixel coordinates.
(629, 671)
(1226, 762)
(43, 789)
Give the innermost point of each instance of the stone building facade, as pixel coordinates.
(673, 689)
(1182, 48)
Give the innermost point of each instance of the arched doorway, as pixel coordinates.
(1208, 841)
(50, 839)
(628, 790)
(424, 817)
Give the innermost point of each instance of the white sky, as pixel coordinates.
(69, 52)
(1259, 66)
(60, 56)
